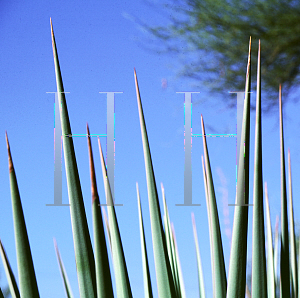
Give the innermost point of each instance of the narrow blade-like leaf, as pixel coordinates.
(270, 256)
(209, 217)
(219, 273)
(13, 287)
(292, 235)
(277, 238)
(259, 275)
(284, 252)
(146, 271)
(238, 254)
(84, 256)
(107, 227)
(169, 242)
(103, 276)
(119, 263)
(165, 285)
(199, 263)
(63, 272)
(178, 264)
(27, 279)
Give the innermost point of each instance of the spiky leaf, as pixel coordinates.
(13, 287)
(259, 276)
(238, 254)
(103, 276)
(199, 263)
(27, 279)
(119, 263)
(294, 279)
(63, 272)
(84, 256)
(270, 256)
(218, 264)
(284, 252)
(165, 284)
(146, 272)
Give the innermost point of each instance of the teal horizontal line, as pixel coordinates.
(85, 135)
(215, 135)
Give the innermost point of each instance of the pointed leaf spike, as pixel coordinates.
(13, 287)
(284, 252)
(218, 264)
(238, 254)
(10, 163)
(165, 283)
(199, 263)
(27, 279)
(276, 252)
(169, 242)
(146, 272)
(294, 277)
(119, 263)
(103, 276)
(270, 255)
(63, 272)
(109, 199)
(82, 242)
(92, 168)
(182, 293)
(208, 215)
(107, 228)
(259, 275)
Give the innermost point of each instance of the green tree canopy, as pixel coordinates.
(216, 35)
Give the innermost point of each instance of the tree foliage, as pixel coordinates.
(216, 35)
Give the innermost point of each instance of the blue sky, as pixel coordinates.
(99, 44)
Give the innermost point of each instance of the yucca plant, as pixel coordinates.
(93, 265)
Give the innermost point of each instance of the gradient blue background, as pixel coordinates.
(99, 44)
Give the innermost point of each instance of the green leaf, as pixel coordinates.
(276, 249)
(63, 272)
(107, 228)
(238, 254)
(146, 271)
(84, 256)
(284, 252)
(13, 287)
(292, 235)
(218, 264)
(103, 276)
(170, 246)
(208, 214)
(199, 263)
(270, 256)
(172, 250)
(165, 285)
(178, 264)
(259, 275)
(27, 279)
(119, 263)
